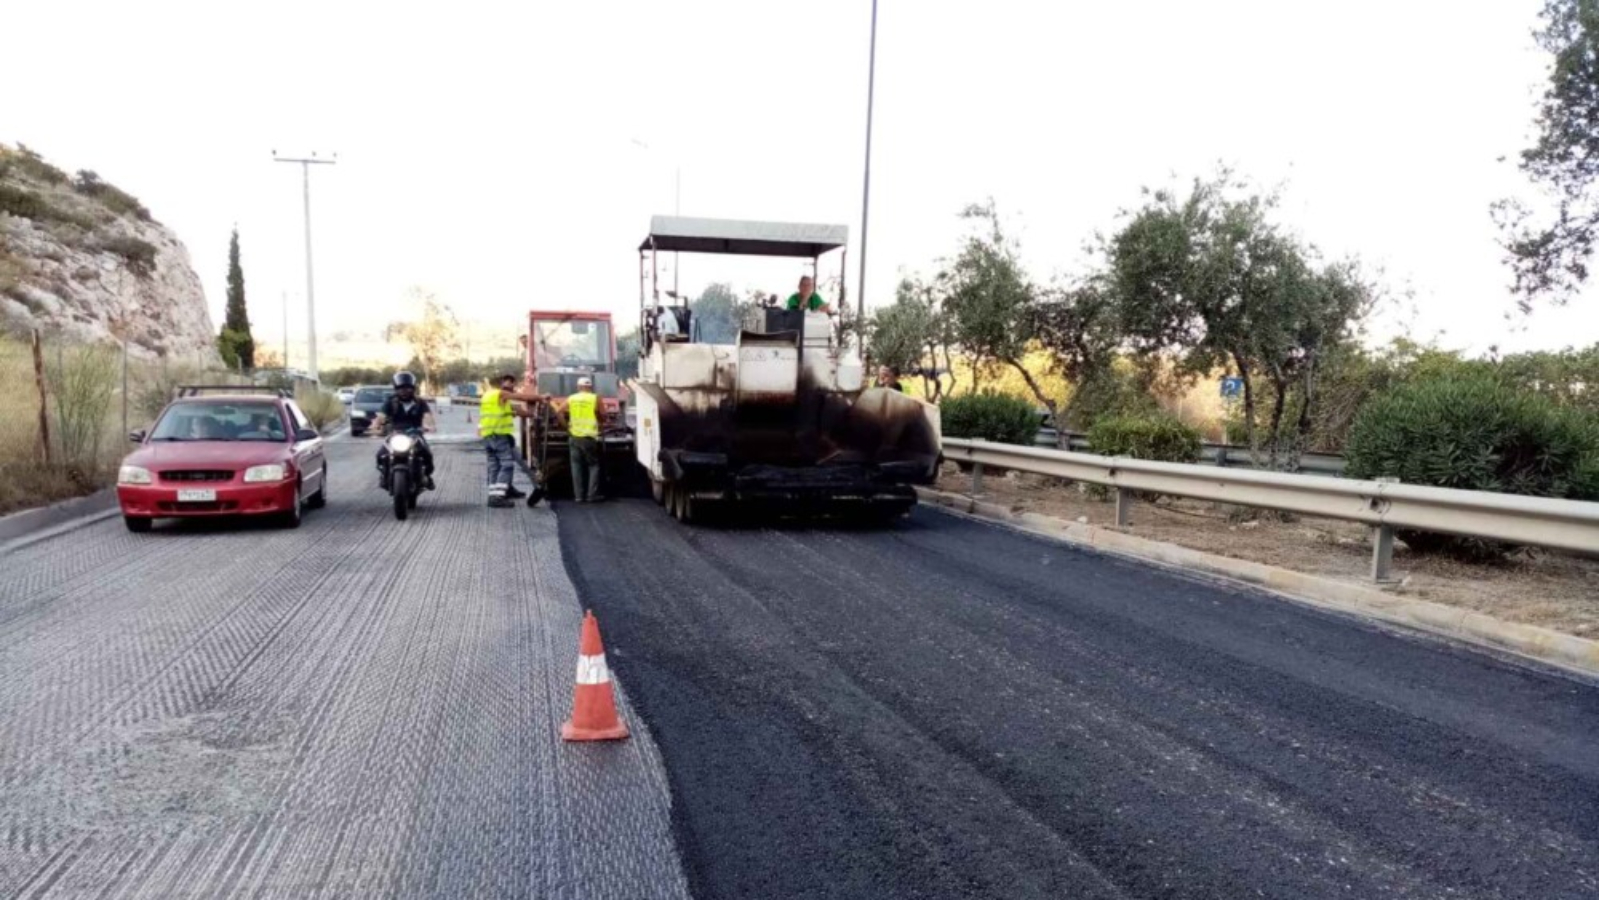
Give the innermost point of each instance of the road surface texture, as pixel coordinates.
(361, 707)
(950, 709)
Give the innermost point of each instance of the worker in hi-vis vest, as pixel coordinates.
(497, 427)
(583, 428)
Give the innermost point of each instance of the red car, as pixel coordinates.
(224, 451)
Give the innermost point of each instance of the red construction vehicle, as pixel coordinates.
(561, 348)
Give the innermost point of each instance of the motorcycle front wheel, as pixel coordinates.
(400, 488)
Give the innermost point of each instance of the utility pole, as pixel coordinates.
(866, 190)
(310, 282)
(285, 295)
(677, 210)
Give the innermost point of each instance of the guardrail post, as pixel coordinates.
(977, 479)
(1124, 507)
(1382, 554)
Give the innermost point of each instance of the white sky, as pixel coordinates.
(490, 151)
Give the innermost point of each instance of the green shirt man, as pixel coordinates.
(807, 298)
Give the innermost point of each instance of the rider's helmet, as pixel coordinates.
(404, 380)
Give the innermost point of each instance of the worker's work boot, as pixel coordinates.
(534, 498)
(512, 493)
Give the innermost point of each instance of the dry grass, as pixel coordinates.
(1553, 590)
(85, 406)
(321, 407)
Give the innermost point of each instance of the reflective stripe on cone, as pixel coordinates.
(594, 715)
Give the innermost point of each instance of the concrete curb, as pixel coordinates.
(65, 516)
(1564, 651)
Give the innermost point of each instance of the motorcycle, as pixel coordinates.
(401, 470)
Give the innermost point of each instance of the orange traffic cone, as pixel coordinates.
(593, 705)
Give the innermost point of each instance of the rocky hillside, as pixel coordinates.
(81, 258)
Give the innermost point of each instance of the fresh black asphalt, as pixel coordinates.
(949, 709)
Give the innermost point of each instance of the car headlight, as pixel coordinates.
(274, 472)
(133, 475)
(357, 414)
(400, 443)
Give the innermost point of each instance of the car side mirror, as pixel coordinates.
(305, 434)
(136, 437)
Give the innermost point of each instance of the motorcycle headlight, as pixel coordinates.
(274, 472)
(133, 475)
(357, 414)
(400, 443)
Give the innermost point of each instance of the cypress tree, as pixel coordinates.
(236, 328)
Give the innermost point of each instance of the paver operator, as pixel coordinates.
(807, 298)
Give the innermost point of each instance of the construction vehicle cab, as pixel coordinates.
(781, 418)
(562, 347)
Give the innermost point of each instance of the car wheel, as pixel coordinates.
(138, 524)
(320, 498)
(296, 513)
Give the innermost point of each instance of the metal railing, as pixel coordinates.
(1383, 505)
(1224, 455)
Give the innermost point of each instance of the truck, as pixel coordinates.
(781, 418)
(562, 347)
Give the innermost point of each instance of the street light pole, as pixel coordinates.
(866, 189)
(310, 281)
(677, 210)
(285, 295)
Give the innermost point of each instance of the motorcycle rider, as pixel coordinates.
(403, 411)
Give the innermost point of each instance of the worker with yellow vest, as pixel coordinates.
(583, 428)
(497, 427)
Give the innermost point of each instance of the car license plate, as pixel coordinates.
(197, 496)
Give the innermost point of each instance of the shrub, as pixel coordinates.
(321, 407)
(28, 205)
(33, 165)
(82, 382)
(1145, 437)
(19, 202)
(990, 417)
(109, 195)
(1474, 434)
(1113, 392)
(139, 255)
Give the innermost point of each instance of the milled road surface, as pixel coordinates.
(948, 709)
(361, 707)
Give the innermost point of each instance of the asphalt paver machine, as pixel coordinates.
(781, 418)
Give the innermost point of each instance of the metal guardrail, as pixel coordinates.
(1224, 455)
(1383, 505)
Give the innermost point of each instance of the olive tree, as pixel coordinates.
(1211, 281)
(1549, 251)
(990, 301)
(914, 336)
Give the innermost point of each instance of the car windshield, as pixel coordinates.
(216, 420)
(371, 395)
(571, 343)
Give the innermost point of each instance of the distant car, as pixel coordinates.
(463, 394)
(365, 406)
(346, 395)
(238, 452)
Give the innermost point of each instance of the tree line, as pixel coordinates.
(1192, 284)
